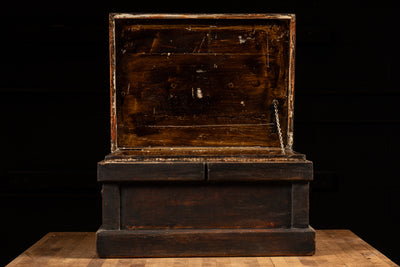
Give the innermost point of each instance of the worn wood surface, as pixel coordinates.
(199, 206)
(205, 242)
(157, 198)
(259, 171)
(154, 213)
(121, 171)
(205, 154)
(333, 248)
(111, 203)
(183, 81)
(202, 170)
(300, 204)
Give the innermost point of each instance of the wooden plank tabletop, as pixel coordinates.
(334, 248)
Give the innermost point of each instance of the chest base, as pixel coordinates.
(173, 209)
(205, 242)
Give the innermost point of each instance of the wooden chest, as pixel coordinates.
(201, 159)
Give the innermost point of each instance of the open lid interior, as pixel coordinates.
(186, 81)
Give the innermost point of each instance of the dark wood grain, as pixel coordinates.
(187, 168)
(258, 171)
(300, 204)
(181, 81)
(193, 206)
(206, 153)
(205, 242)
(111, 206)
(208, 36)
(199, 100)
(150, 171)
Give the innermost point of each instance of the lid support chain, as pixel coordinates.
(278, 125)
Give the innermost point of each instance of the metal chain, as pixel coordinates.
(278, 125)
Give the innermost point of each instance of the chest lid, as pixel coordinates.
(201, 80)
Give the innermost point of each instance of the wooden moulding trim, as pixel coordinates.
(114, 171)
(113, 109)
(292, 50)
(152, 171)
(200, 16)
(277, 171)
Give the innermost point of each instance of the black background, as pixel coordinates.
(54, 110)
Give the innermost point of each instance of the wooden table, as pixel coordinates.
(334, 248)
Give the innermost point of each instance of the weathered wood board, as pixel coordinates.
(201, 81)
(206, 242)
